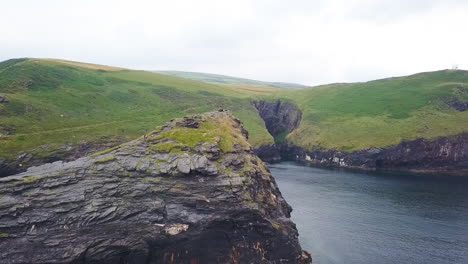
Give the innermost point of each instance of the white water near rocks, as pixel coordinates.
(353, 217)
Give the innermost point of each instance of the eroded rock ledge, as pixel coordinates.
(191, 192)
(66, 152)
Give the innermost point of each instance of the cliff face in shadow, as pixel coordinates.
(190, 192)
(281, 118)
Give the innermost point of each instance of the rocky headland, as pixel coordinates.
(192, 191)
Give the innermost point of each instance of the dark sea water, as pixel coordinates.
(352, 217)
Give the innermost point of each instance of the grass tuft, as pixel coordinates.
(105, 160)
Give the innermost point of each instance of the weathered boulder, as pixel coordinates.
(190, 192)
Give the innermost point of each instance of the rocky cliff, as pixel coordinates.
(445, 154)
(281, 118)
(190, 192)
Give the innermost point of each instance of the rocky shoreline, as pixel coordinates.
(442, 155)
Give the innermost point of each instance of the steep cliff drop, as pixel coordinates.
(444, 154)
(189, 192)
(280, 118)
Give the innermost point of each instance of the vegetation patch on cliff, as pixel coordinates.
(111, 158)
(219, 131)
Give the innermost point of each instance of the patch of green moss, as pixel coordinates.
(219, 132)
(154, 138)
(104, 152)
(30, 179)
(248, 165)
(218, 166)
(156, 163)
(166, 147)
(4, 234)
(138, 164)
(150, 179)
(105, 160)
(276, 225)
(249, 200)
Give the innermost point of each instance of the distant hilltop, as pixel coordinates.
(224, 79)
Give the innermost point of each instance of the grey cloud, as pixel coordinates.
(311, 42)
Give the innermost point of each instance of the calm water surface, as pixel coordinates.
(349, 217)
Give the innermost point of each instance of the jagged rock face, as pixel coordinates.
(280, 117)
(190, 192)
(445, 154)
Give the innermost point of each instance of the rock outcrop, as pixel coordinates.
(445, 154)
(281, 118)
(458, 105)
(192, 191)
(4, 100)
(65, 152)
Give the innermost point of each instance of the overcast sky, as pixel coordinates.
(302, 41)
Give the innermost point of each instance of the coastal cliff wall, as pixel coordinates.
(191, 191)
(444, 154)
(281, 118)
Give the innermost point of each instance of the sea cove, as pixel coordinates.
(351, 217)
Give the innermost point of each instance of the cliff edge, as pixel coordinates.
(192, 191)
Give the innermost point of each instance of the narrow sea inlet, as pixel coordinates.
(354, 217)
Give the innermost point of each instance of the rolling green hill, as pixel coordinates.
(54, 102)
(380, 113)
(223, 79)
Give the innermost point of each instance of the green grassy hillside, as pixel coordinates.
(223, 79)
(53, 102)
(380, 113)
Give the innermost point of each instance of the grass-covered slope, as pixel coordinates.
(380, 113)
(223, 79)
(52, 102)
